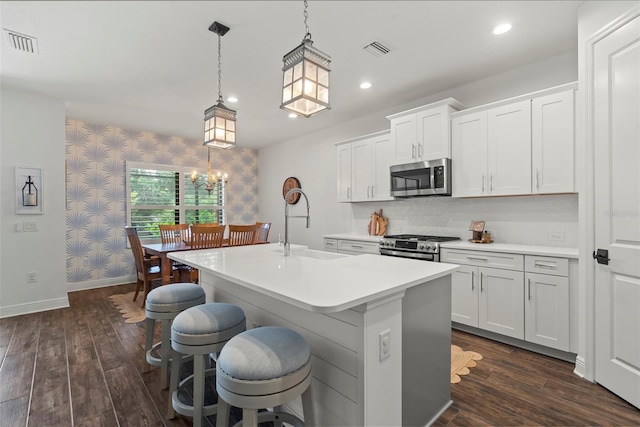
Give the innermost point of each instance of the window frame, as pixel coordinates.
(184, 173)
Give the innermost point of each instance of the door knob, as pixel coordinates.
(602, 256)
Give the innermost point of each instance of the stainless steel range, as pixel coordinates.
(413, 246)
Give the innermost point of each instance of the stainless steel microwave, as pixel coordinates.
(428, 178)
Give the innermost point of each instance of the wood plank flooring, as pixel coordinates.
(84, 366)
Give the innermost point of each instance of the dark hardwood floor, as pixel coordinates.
(84, 366)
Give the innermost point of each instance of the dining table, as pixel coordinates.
(161, 250)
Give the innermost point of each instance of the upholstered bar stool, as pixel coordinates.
(164, 303)
(200, 331)
(265, 368)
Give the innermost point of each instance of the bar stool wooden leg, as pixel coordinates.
(176, 366)
(166, 351)
(224, 411)
(307, 408)
(150, 330)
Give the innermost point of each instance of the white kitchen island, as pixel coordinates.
(379, 327)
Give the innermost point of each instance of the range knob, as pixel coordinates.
(421, 246)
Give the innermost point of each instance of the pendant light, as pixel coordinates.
(305, 87)
(219, 121)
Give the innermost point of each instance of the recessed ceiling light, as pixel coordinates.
(501, 29)
(293, 115)
(232, 99)
(365, 85)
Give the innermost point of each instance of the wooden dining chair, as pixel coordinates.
(240, 235)
(148, 269)
(262, 232)
(174, 233)
(205, 236)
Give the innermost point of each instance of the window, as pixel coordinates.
(165, 194)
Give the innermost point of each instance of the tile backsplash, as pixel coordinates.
(535, 220)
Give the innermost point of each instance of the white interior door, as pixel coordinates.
(617, 209)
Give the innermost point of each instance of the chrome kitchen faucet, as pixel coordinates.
(287, 245)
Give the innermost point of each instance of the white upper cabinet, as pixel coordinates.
(552, 143)
(423, 133)
(344, 172)
(363, 168)
(509, 149)
(469, 155)
(520, 146)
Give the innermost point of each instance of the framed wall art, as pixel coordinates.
(29, 190)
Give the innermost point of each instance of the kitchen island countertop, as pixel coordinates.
(314, 280)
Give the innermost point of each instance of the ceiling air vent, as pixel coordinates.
(21, 42)
(377, 49)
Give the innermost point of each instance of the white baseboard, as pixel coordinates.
(102, 283)
(581, 367)
(34, 307)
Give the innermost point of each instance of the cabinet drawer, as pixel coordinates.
(331, 245)
(483, 259)
(546, 265)
(357, 246)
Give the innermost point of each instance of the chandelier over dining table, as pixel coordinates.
(212, 180)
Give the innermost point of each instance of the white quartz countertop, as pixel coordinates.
(554, 251)
(323, 282)
(354, 236)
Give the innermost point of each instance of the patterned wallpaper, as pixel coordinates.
(96, 211)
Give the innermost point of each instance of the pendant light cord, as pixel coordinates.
(307, 35)
(220, 69)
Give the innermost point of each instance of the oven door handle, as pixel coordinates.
(413, 255)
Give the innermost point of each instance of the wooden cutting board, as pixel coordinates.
(374, 225)
(382, 224)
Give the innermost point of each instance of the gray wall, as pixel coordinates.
(32, 134)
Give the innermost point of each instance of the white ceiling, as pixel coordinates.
(152, 65)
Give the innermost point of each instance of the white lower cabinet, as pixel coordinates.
(488, 298)
(351, 246)
(519, 296)
(547, 302)
(330, 245)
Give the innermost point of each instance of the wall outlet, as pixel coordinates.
(32, 277)
(30, 226)
(385, 344)
(555, 236)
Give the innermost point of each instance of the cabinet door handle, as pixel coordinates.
(481, 284)
(491, 183)
(473, 279)
(537, 180)
(482, 183)
(413, 151)
(372, 191)
(545, 264)
(329, 243)
(357, 246)
(529, 290)
(419, 151)
(478, 258)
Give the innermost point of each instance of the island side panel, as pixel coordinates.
(381, 369)
(426, 374)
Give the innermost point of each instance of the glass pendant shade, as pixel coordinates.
(305, 88)
(220, 126)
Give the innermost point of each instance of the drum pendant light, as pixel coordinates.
(305, 87)
(219, 120)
